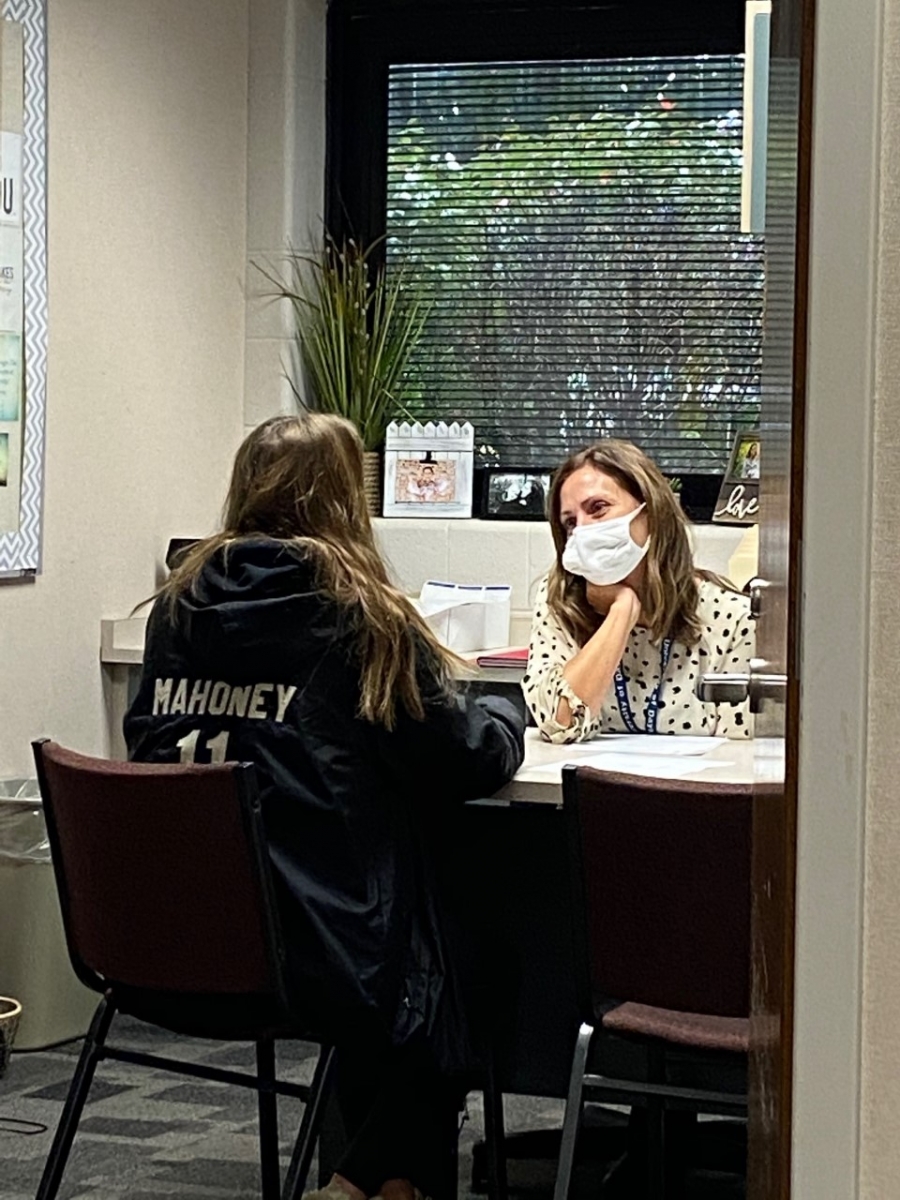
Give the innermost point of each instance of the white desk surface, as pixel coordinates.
(539, 779)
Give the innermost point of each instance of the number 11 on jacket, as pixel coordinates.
(217, 746)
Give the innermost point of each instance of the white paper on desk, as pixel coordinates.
(636, 764)
(668, 746)
(467, 616)
(660, 768)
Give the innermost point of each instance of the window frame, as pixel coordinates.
(364, 37)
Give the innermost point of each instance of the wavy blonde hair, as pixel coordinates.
(670, 593)
(299, 480)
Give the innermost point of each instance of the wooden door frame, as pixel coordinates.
(812, 1137)
(775, 807)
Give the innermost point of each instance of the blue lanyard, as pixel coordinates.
(651, 708)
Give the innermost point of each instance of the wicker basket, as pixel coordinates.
(10, 1011)
(372, 481)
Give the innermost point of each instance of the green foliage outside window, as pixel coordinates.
(573, 229)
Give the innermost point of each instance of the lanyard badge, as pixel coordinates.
(651, 708)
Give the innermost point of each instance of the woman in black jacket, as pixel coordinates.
(282, 641)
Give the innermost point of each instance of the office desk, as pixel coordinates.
(539, 779)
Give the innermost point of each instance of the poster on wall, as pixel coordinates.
(23, 283)
(12, 299)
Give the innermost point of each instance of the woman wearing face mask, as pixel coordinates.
(624, 624)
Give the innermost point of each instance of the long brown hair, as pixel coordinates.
(669, 594)
(299, 480)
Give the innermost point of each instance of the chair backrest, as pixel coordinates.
(162, 874)
(661, 871)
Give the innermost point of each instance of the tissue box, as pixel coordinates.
(467, 616)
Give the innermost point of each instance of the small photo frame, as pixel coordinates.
(516, 493)
(428, 469)
(738, 502)
(745, 457)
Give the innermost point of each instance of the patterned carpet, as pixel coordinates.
(152, 1135)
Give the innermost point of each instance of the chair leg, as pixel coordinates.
(301, 1159)
(574, 1109)
(268, 1120)
(445, 1178)
(656, 1128)
(494, 1132)
(681, 1147)
(91, 1053)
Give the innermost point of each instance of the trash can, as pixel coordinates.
(34, 962)
(10, 1014)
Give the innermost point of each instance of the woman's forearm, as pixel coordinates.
(590, 673)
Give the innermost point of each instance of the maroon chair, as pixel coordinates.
(169, 913)
(661, 876)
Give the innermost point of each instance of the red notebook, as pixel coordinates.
(504, 658)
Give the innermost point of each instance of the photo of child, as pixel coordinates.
(423, 482)
(746, 459)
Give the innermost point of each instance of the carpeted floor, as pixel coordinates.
(152, 1135)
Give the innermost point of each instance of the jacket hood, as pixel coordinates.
(251, 592)
(249, 572)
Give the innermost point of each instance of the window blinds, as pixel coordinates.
(574, 228)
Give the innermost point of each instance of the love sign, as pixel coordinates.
(738, 502)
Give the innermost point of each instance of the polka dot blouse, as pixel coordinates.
(727, 643)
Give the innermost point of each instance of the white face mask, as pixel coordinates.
(604, 552)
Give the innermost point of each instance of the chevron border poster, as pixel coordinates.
(23, 282)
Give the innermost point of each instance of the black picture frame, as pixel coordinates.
(515, 493)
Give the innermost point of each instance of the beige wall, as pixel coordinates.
(880, 1146)
(147, 237)
(286, 176)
